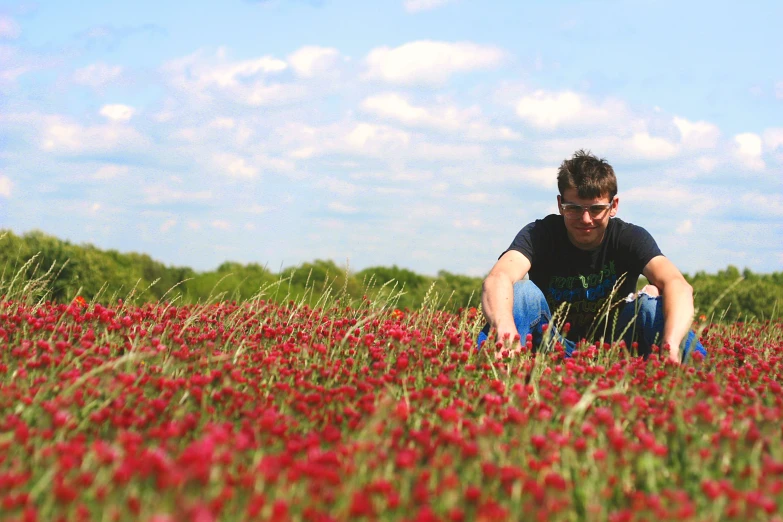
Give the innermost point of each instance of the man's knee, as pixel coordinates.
(525, 291)
(644, 312)
(650, 290)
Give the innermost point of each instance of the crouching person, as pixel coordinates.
(583, 257)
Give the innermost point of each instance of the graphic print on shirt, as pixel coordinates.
(586, 294)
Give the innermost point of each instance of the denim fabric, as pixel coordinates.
(531, 312)
(648, 327)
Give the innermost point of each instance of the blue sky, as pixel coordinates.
(421, 133)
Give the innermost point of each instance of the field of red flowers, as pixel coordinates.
(265, 411)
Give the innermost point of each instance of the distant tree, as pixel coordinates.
(459, 291)
(412, 285)
(109, 274)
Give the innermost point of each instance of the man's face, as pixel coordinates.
(585, 227)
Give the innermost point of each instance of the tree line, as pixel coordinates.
(84, 270)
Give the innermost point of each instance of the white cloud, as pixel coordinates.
(244, 81)
(748, 150)
(303, 141)
(221, 224)
(224, 130)
(557, 149)
(11, 74)
(699, 135)
(773, 138)
(477, 131)
(312, 60)
(161, 194)
(88, 208)
(651, 147)
(304, 152)
(222, 123)
(422, 254)
(243, 134)
(706, 164)
(257, 209)
(440, 116)
(117, 112)
(230, 74)
(468, 223)
(187, 134)
(447, 152)
(367, 137)
(60, 135)
(670, 199)
(262, 94)
(338, 186)
(476, 197)
(341, 208)
(429, 62)
(421, 211)
(779, 90)
(110, 171)
(551, 110)
(770, 205)
(392, 105)
(15, 62)
(402, 177)
(234, 166)
(415, 6)
(327, 224)
(507, 173)
(387, 143)
(275, 164)
(97, 74)
(9, 29)
(167, 225)
(685, 227)
(6, 186)
(622, 144)
(545, 177)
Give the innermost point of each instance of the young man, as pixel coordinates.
(588, 261)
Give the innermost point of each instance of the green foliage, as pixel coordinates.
(460, 290)
(756, 295)
(107, 274)
(86, 270)
(410, 283)
(231, 281)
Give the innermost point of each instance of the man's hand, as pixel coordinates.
(497, 299)
(674, 353)
(677, 302)
(509, 341)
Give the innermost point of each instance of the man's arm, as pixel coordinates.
(677, 302)
(497, 296)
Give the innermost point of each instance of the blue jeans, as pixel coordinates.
(531, 313)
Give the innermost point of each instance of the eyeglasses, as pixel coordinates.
(574, 211)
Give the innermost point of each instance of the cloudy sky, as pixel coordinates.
(421, 133)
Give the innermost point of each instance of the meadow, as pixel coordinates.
(358, 409)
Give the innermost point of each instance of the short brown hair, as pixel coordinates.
(590, 176)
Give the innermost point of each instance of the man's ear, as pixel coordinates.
(615, 207)
(559, 200)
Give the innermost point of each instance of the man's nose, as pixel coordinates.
(586, 216)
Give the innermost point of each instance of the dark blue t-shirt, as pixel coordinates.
(584, 278)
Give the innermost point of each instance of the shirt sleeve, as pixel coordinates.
(525, 241)
(643, 247)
